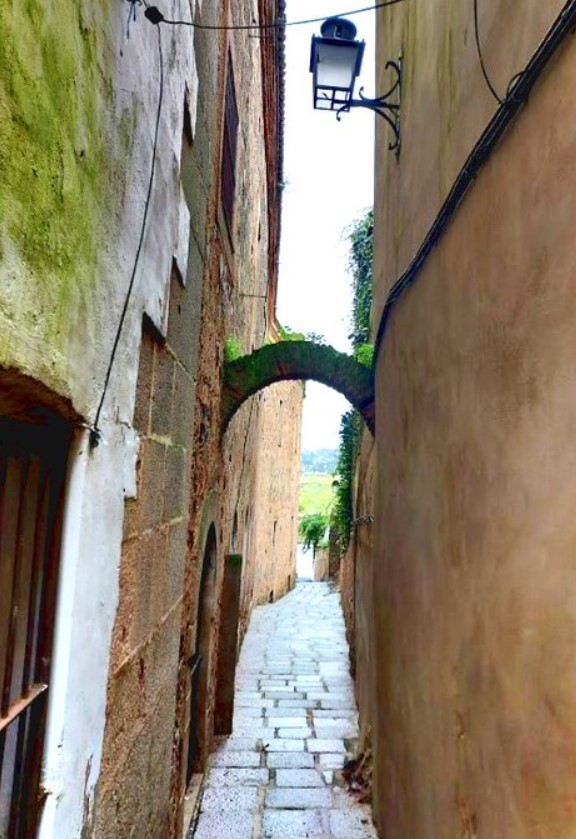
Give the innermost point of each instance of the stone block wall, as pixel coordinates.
(135, 781)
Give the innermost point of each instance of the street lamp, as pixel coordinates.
(335, 63)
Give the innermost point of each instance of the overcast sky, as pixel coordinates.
(328, 172)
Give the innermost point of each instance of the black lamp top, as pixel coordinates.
(338, 27)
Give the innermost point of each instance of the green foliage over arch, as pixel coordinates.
(298, 360)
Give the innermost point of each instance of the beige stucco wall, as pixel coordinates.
(474, 588)
(275, 534)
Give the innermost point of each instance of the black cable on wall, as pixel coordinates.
(95, 433)
(519, 90)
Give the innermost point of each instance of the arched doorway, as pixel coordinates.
(200, 660)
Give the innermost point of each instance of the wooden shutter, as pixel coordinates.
(229, 145)
(32, 469)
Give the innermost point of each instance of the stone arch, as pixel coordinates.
(298, 360)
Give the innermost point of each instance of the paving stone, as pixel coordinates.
(236, 759)
(351, 825)
(229, 798)
(254, 728)
(325, 745)
(336, 703)
(290, 760)
(297, 703)
(298, 798)
(278, 745)
(331, 696)
(241, 702)
(332, 728)
(236, 744)
(245, 712)
(288, 733)
(287, 722)
(224, 826)
(233, 776)
(336, 713)
(298, 778)
(283, 694)
(292, 824)
(284, 713)
(331, 761)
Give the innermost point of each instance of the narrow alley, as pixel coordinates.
(279, 775)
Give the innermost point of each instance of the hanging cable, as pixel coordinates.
(519, 91)
(95, 433)
(489, 84)
(155, 16)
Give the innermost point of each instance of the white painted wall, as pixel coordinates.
(99, 480)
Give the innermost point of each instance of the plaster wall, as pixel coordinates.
(78, 101)
(473, 586)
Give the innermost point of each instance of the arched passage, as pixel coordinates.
(298, 360)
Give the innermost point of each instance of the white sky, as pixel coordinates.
(328, 172)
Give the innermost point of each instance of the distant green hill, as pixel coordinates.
(321, 461)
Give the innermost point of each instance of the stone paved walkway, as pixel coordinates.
(277, 776)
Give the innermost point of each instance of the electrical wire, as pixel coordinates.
(155, 16)
(489, 84)
(95, 434)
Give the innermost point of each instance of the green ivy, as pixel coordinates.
(361, 237)
(287, 334)
(343, 511)
(232, 349)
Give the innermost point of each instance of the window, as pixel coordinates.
(32, 468)
(229, 144)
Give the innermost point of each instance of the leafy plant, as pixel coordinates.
(364, 354)
(288, 334)
(312, 529)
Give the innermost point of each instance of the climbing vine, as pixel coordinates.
(361, 239)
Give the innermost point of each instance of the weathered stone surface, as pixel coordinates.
(298, 360)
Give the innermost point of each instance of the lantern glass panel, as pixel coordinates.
(336, 66)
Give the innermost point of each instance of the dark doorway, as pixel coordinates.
(32, 470)
(200, 660)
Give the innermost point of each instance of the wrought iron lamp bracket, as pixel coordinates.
(387, 105)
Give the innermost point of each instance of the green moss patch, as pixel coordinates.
(53, 150)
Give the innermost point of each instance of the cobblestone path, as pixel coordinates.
(278, 775)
